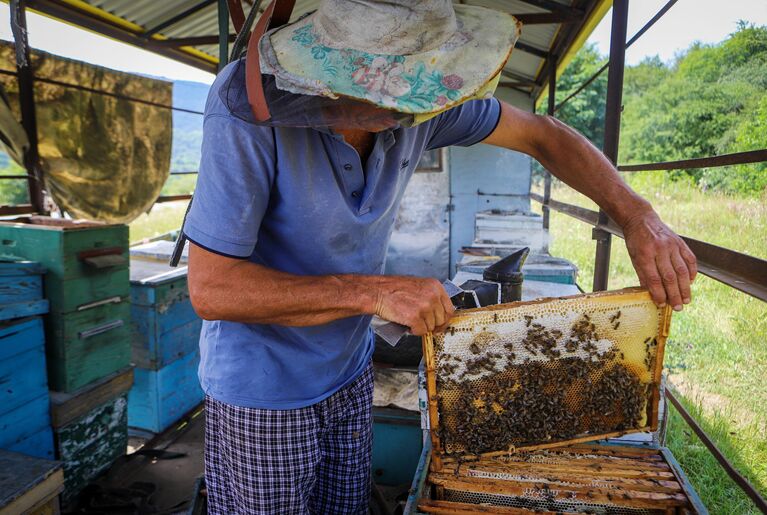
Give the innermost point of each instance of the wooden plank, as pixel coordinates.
(582, 460)
(23, 309)
(431, 390)
(16, 286)
(39, 444)
(159, 398)
(543, 468)
(67, 407)
(647, 485)
(27, 483)
(85, 346)
(90, 444)
(459, 508)
(635, 499)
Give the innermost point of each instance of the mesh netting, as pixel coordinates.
(546, 372)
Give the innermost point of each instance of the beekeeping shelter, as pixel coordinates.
(474, 199)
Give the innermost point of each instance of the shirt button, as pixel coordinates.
(347, 167)
(355, 194)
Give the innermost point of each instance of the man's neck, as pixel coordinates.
(361, 140)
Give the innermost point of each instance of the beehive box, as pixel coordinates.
(21, 289)
(24, 420)
(29, 485)
(537, 374)
(515, 391)
(593, 479)
(91, 428)
(86, 283)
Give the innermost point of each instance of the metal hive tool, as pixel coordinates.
(533, 375)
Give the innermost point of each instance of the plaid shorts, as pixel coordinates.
(308, 460)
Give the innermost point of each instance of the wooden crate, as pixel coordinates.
(87, 285)
(159, 398)
(89, 444)
(24, 417)
(86, 262)
(29, 485)
(84, 346)
(21, 290)
(164, 325)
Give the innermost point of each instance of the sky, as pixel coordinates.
(708, 21)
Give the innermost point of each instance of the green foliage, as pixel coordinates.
(711, 100)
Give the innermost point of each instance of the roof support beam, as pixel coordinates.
(515, 77)
(70, 14)
(529, 49)
(544, 18)
(177, 18)
(190, 41)
(551, 5)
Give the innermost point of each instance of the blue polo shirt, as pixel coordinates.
(302, 202)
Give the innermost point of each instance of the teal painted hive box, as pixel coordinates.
(90, 428)
(397, 444)
(25, 424)
(21, 289)
(165, 344)
(87, 285)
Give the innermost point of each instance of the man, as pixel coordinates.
(290, 225)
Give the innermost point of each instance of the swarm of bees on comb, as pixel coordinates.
(552, 384)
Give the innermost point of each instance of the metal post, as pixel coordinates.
(27, 102)
(550, 112)
(612, 130)
(223, 34)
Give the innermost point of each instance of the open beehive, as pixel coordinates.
(515, 390)
(563, 480)
(532, 375)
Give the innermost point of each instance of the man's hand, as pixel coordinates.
(418, 303)
(662, 260)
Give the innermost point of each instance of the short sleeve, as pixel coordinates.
(465, 124)
(233, 187)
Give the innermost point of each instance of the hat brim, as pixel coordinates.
(418, 83)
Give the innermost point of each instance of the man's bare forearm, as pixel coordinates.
(573, 159)
(238, 290)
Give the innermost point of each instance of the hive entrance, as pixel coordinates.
(537, 374)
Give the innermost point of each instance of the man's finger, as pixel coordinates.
(682, 275)
(690, 259)
(670, 283)
(653, 282)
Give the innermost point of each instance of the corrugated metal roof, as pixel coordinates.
(525, 70)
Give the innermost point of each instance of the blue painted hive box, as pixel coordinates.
(21, 289)
(165, 342)
(25, 424)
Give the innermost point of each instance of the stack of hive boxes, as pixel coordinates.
(165, 335)
(25, 424)
(87, 336)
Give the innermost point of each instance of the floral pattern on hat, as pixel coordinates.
(428, 82)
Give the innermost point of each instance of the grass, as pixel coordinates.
(161, 219)
(716, 353)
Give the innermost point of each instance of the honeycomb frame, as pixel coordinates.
(472, 326)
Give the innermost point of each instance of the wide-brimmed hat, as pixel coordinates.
(412, 56)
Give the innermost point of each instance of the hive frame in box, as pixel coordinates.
(625, 295)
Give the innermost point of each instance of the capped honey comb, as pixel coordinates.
(532, 375)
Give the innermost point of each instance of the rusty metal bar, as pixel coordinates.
(223, 34)
(191, 172)
(552, 102)
(544, 18)
(177, 18)
(742, 272)
(171, 198)
(668, 5)
(26, 80)
(739, 480)
(21, 209)
(613, 109)
(107, 93)
(25, 177)
(738, 158)
(190, 41)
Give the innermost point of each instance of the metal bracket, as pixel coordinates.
(600, 235)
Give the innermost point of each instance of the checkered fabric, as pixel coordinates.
(308, 460)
